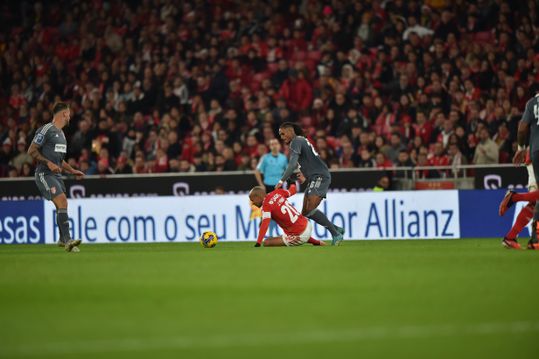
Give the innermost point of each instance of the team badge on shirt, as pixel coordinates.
(39, 139)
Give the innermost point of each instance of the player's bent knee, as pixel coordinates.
(60, 201)
(308, 210)
(310, 204)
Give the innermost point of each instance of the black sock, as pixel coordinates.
(63, 224)
(320, 218)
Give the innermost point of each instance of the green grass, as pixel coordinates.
(370, 299)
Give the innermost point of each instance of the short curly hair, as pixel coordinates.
(297, 129)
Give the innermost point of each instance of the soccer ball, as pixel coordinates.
(208, 239)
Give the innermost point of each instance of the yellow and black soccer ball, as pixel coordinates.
(208, 239)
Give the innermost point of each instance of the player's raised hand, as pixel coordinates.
(519, 157)
(54, 168)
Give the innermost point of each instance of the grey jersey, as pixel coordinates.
(531, 117)
(52, 145)
(309, 161)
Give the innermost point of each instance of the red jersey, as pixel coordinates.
(442, 160)
(276, 207)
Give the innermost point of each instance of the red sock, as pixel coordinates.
(528, 197)
(523, 218)
(314, 242)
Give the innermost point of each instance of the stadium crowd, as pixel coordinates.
(165, 86)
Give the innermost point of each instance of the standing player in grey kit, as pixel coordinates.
(49, 148)
(316, 173)
(530, 119)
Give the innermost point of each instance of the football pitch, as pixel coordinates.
(370, 299)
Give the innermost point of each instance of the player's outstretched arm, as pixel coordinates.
(292, 165)
(292, 190)
(262, 232)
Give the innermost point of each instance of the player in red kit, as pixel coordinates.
(297, 228)
(525, 215)
(527, 135)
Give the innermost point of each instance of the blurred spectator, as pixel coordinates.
(382, 161)
(297, 91)
(486, 151)
(365, 159)
(12, 172)
(185, 166)
(103, 167)
(383, 184)
(22, 156)
(26, 170)
(6, 153)
(122, 165)
(404, 159)
(229, 160)
(438, 158)
(456, 158)
(395, 147)
(422, 161)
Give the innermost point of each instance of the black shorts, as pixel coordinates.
(49, 185)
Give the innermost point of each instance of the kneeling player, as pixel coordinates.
(297, 228)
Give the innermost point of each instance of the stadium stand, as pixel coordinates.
(159, 86)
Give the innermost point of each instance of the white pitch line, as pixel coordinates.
(74, 347)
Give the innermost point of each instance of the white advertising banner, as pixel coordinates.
(365, 215)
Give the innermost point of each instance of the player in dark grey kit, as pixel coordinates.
(49, 148)
(316, 172)
(530, 118)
